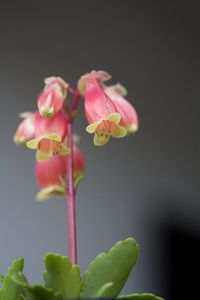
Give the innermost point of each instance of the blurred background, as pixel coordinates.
(146, 186)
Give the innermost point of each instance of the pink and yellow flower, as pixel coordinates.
(101, 113)
(26, 129)
(50, 135)
(50, 176)
(129, 118)
(51, 100)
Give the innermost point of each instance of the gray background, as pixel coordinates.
(134, 186)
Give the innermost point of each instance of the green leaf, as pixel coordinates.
(1, 277)
(60, 275)
(140, 297)
(36, 292)
(103, 290)
(113, 267)
(10, 290)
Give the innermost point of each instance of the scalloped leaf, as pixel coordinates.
(10, 290)
(36, 292)
(60, 275)
(103, 290)
(115, 267)
(140, 297)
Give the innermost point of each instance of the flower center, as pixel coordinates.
(104, 129)
(48, 146)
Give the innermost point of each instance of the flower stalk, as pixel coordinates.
(71, 193)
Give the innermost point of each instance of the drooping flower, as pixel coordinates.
(50, 176)
(51, 100)
(26, 129)
(129, 118)
(101, 113)
(100, 76)
(50, 134)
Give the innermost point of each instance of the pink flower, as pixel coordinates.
(26, 129)
(50, 176)
(129, 118)
(50, 135)
(51, 100)
(101, 113)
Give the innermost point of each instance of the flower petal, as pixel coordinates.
(133, 128)
(47, 192)
(100, 140)
(33, 144)
(92, 127)
(118, 131)
(114, 117)
(40, 155)
(54, 137)
(64, 150)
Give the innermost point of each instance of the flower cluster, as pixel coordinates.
(108, 114)
(46, 132)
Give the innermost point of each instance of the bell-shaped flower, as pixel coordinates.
(129, 118)
(50, 134)
(51, 100)
(100, 76)
(50, 176)
(26, 129)
(101, 114)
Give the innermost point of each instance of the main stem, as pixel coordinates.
(71, 205)
(71, 199)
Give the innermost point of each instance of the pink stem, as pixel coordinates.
(71, 194)
(71, 205)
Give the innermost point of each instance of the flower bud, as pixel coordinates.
(100, 76)
(50, 134)
(129, 118)
(101, 114)
(26, 129)
(51, 100)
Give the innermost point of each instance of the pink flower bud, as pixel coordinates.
(26, 129)
(101, 113)
(50, 176)
(100, 76)
(129, 118)
(50, 134)
(51, 100)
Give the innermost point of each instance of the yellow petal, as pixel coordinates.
(49, 191)
(54, 137)
(92, 127)
(42, 155)
(118, 131)
(33, 144)
(64, 150)
(114, 117)
(132, 129)
(100, 140)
